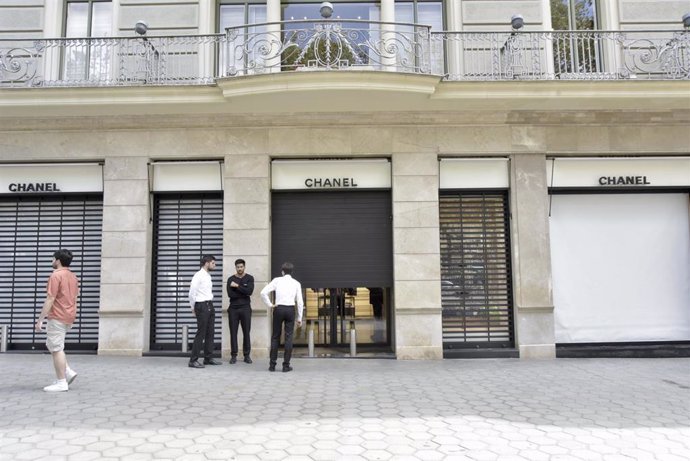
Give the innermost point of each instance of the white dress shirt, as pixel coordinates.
(201, 288)
(288, 291)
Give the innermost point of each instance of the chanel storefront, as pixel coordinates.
(333, 220)
(45, 207)
(620, 248)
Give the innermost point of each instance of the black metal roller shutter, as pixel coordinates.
(334, 238)
(476, 279)
(32, 228)
(186, 226)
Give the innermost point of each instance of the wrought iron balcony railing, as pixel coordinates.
(564, 55)
(343, 45)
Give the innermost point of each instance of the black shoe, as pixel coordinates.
(287, 368)
(233, 360)
(195, 364)
(272, 368)
(247, 359)
(212, 362)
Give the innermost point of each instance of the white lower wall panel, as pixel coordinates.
(621, 267)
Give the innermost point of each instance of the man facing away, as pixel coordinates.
(201, 302)
(240, 287)
(60, 307)
(288, 292)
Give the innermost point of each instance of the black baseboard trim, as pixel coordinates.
(481, 354)
(624, 350)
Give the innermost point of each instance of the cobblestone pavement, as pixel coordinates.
(327, 409)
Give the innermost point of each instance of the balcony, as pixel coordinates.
(344, 46)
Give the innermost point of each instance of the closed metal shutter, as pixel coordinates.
(32, 228)
(186, 226)
(334, 238)
(476, 287)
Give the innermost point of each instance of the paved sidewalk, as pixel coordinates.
(157, 408)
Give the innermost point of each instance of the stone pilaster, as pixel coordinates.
(125, 265)
(416, 257)
(532, 258)
(246, 235)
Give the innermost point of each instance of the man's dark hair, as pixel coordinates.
(287, 268)
(64, 256)
(206, 259)
(240, 261)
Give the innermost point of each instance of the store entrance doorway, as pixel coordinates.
(343, 310)
(341, 245)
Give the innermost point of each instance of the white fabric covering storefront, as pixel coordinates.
(621, 267)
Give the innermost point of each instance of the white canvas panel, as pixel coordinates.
(621, 267)
(187, 176)
(474, 173)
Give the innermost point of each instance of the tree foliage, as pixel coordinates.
(583, 16)
(318, 53)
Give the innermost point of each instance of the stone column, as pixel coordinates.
(125, 258)
(454, 43)
(387, 10)
(532, 257)
(416, 257)
(273, 14)
(246, 235)
(273, 11)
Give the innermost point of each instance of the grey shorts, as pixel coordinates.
(55, 335)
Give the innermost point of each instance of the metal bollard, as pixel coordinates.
(185, 338)
(310, 343)
(3, 340)
(353, 340)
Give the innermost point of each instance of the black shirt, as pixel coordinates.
(240, 296)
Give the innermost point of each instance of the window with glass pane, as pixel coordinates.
(88, 59)
(240, 50)
(351, 43)
(367, 11)
(577, 52)
(427, 13)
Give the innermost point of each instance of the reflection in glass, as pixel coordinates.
(575, 53)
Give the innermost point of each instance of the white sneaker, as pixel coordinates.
(70, 375)
(57, 386)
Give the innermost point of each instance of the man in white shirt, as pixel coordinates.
(288, 292)
(201, 302)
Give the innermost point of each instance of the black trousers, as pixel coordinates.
(205, 330)
(282, 315)
(240, 316)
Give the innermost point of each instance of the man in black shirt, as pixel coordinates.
(240, 288)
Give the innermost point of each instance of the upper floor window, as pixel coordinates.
(367, 11)
(88, 18)
(575, 52)
(232, 13)
(425, 12)
(573, 14)
(87, 60)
